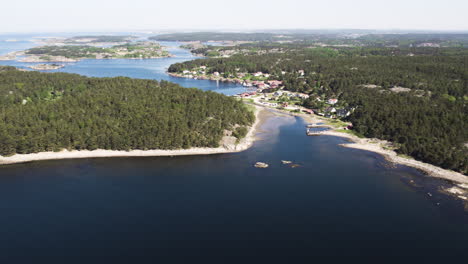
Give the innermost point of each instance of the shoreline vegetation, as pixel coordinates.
(405, 96)
(74, 50)
(377, 146)
(368, 144)
(52, 112)
(228, 146)
(46, 67)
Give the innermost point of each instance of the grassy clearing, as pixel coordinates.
(335, 123)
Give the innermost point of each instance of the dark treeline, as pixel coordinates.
(329, 38)
(50, 112)
(405, 40)
(332, 71)
(428, 122)
(432, 130)
(82, 51)
(215, 36)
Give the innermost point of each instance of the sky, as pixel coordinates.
(163, 15)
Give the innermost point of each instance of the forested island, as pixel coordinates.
(46, 67)
(134, 50)
(51, 112)
(415, 97)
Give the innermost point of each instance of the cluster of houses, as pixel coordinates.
(263, 85)
(330, 112)
(246, 95)
(290, 94)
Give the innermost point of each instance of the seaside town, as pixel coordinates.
(264, 90)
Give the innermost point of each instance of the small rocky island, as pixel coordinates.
(47, 67)
(261, 165)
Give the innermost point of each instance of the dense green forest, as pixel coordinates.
(415, 97)
(50, 112)
(304, 48)
(68, 51)
(140, 49)
(336, 37)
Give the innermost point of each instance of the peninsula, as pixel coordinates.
(59, 115)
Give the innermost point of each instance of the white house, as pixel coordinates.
(257, 74)
(278, 93)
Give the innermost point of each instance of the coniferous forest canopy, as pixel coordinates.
(50, 112)
(427, 121)
(332, 37)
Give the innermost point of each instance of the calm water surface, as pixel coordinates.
(134, 68)
(340, 202)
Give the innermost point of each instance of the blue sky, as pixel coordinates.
(118, 15)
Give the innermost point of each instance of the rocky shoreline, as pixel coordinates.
(11, 56)
(375, 145)
(221, 79)
(46, 67)
(36, 58)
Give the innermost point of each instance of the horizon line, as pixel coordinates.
(233, 30)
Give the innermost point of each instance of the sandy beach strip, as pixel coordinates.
(392, 156)
(244, 144)
(375, 145)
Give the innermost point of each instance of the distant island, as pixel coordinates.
(64, 113)
(73, 53)
(46, 67)
(56, 49)
(217, 36)
(98, 40)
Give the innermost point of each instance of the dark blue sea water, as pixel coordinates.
(338, 203)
